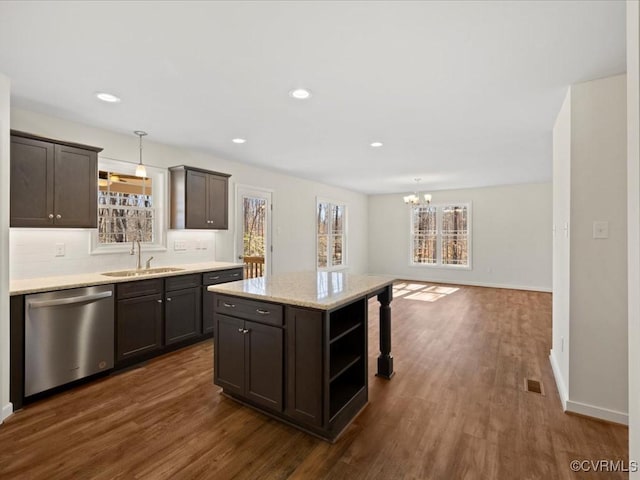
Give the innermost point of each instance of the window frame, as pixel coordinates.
(159, 181)
(330, 235)
(439, 209)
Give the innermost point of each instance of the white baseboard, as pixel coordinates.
(471, 284)
(560, 383)
(597, 412)
(579, 407)
(7, 411)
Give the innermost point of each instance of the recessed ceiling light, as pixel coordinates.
(238, 140)
(107, 97)
(376, 144)
(300, 93)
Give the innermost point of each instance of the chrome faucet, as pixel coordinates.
(148, 264)
(133, 251)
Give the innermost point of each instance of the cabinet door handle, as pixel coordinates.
(263, 312)
(58, 216)
(228, 305)
(168, 299)
(51, 215)
(159, 301)
(241, 330)
(245, 331)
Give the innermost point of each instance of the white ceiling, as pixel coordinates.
(462, 94)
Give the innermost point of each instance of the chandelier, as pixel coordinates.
(414, 198)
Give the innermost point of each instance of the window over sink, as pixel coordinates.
(130, 208)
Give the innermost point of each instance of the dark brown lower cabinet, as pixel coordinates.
(214, 278)
(182, 315)
(249, 360)
(304, 365)
(138, 326)
(321, 353)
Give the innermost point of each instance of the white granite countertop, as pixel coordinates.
(46, 284)
(321, 290)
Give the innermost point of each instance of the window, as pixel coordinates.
(129, 208)
(125, 208)
(331, 233)
(441, 235)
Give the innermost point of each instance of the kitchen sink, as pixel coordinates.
(142, 272)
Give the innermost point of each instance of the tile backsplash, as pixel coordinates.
(36, 252)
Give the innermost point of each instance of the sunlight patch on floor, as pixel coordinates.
(421, 292)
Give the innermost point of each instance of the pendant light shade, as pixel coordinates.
(141, 171)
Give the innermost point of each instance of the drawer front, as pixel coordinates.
(182, 281)
(139, 288)
(263, 312)
(221, 276)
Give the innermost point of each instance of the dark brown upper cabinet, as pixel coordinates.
(53, 183)
(199, 199)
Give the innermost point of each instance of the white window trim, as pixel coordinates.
(438, 263)
(345, 254)
(159, 179)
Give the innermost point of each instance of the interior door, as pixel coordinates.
(253, 230)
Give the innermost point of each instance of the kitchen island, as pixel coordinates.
(294, 345)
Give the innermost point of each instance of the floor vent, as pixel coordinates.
(533, 386)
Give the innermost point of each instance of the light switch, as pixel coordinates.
(179, 245)
(600, 229)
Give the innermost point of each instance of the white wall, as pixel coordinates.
(633, 215)
(561, 231)
(592, 170)
(511, 237)
(598, 360)
(294, 203)
(5, 406)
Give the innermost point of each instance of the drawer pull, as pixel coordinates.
(263, 312)
(235, 275)
(215, 278)
(228, 305)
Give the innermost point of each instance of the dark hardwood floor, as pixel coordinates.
(456, 409)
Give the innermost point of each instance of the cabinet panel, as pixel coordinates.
(304, 365)
(199, 198)
(207, 311)
(229, 354)
(196, 200)
(182, 315)
(53, 183)
(139, 288)
(263, 312)
(180, 282)
(218, 202)
(31, 198)
(75, 198)
(263, 365)
(139, 326)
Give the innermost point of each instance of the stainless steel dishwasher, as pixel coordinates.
(68, 336)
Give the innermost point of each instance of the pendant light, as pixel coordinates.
(141, 171)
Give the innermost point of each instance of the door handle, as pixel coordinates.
(70, 300)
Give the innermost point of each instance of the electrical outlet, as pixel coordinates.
(179, 245)
(59, 250)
